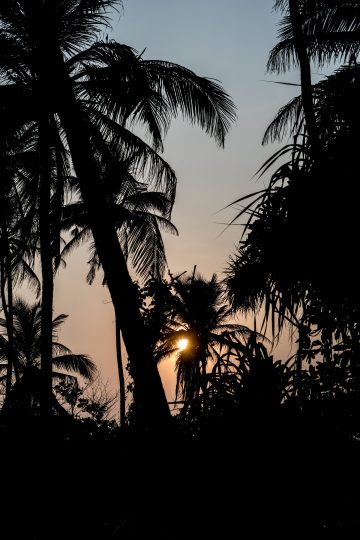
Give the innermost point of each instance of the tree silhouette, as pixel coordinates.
(92, 94)
(276, 226)
(18, 216)
(193, 310)
(330, 31)
(25, 393)
(141, 213)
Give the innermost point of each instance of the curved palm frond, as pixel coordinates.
(79, 237)
(331, 31)
(196, 312)
(145, 160)
(289, 120)
(80, 364)
(59, 348)
(59, 320)
(24, 272)
(72, 23)
(199, 99)
(335, 100)
(153, 91)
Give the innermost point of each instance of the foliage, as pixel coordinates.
(331, 32)
(91, 404)
(296, 259)
(84, 96)
(287, 258)
(294, 424)
(27, 346)
(191, 308)
(245, 385)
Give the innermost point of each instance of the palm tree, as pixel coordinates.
(305, 73)
(99, 93)
(17, 211)
(27, 346)
(318, 31)
(200, 321)
(140, 216)
(158, 75)
(141, 210)
(276, 226)
(330, 31)
(286, 259)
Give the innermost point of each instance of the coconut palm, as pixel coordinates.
(18, 211)
(335, 105)
(286, 259)
(279, 254)
(201, 322)
(313, 30)
(98, 93)
(140, 217)
(141, 212)
(21, 190)
(27, 346)
(330, 31)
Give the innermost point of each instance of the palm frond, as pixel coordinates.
(3, 368)
(201, 100)
(24, 272)
(145, 160)
(331, 32)
(289, 120)
(79, 237)
(58, 321)
(80, 364)
(59, 348)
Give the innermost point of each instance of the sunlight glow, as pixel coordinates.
(183, 343)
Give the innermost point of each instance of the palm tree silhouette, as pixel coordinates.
(331, 32)
(17, 218)
(141, 214)
(95, 94)
(319, 32)
(198, 315)
(279, 264)
(25, 393)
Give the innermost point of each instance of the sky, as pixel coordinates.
(228, 41)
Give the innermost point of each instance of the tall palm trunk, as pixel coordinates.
(46, 268)
(305, 74)
(307, 101)
(7, 305)
(122, 396)
(7, 309)
(57, 199)
(9, 321)
(149, 396)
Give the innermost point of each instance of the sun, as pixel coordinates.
(182, 343)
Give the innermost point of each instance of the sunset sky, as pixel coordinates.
(228, 41)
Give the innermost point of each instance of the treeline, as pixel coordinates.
(72, 169)
(72, 165)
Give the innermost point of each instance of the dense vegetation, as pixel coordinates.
(271, 445)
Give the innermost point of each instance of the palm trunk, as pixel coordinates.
(122, 396)
(149, 396)
(7, 305)
(10, 324)
(305, 74)
(9, 371)
(307, 101)
(57, 202)
(46, 270)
